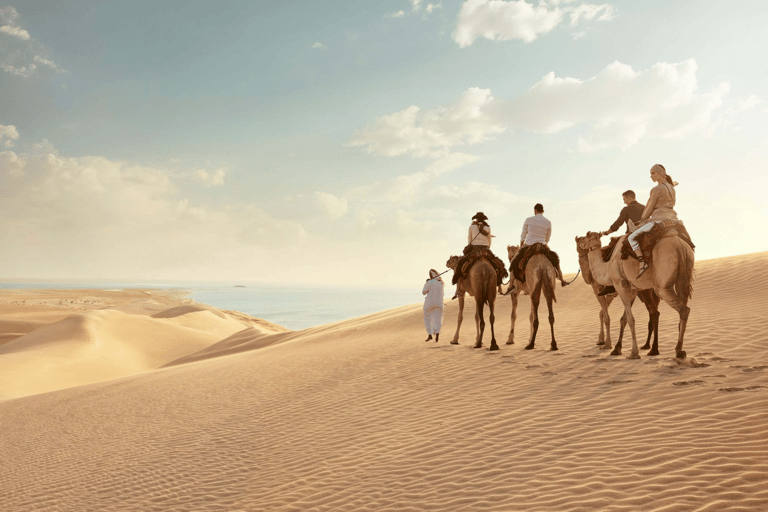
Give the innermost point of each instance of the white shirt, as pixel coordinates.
(537, 229)
(481, 238)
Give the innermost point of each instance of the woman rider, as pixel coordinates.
(659, 207)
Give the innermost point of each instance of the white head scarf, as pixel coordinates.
(434, 274)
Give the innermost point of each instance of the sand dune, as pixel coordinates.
(364, 415)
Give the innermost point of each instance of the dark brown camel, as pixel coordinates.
(480, 283)
(647, 297)
(540, 277)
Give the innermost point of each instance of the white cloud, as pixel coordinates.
(15, 31)
(8, 134)
(432, 7)
(622, 106)
(19, 52)
(747, 104)
(500, 20)
(431, 132)
(335, 207)
(398, 14)
(11, 164)
(211, 178)
(319, 45)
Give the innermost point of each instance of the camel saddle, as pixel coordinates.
(647, 241)
(520, 260)
(466, 262)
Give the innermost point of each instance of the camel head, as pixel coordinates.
(581, 246)
(452, 262)
(511, 251)
(589, 242)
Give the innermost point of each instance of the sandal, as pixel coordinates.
(643, 267)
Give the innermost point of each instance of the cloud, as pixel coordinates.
(8, 134)
(15, 31)
(398, 14)
(211, 178)
(20, 54)
(335, 207)
(500, 20)
(319, 45)
(620, 105)
(432, 132)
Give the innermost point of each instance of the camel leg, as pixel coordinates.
(492, 318)
(511, 339)
(461, 317)
(606, 319)
(653, 309)
(548, 297)
(669, 296)
(601, 339)
(479, 323)
(622, 326)
(534, 317)
(627, 298)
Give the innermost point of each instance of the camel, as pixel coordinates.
(540, 276)
(670, 276)
(647, 297)
(480, 283)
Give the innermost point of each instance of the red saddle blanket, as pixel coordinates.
(466, 262)
(648, 240)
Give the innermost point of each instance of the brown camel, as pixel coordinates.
(670, 276)
(647, 297)
(480, 283)
(540, 276)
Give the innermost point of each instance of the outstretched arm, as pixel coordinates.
(623, 216)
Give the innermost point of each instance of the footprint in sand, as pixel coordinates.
(748, 388)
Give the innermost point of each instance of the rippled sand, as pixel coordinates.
(217, 411)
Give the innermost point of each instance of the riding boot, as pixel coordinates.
(606, 290)
(643, 263)
(428, 338)
(437, 337)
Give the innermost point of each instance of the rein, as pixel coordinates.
(577, 275)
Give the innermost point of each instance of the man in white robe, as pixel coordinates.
(433, 304)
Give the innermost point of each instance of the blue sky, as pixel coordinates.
(351, 142)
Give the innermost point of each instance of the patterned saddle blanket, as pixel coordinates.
(466, 262)
(520, 260)
(648, 241)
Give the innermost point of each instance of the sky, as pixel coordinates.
(350, 143)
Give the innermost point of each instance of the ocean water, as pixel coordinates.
(294, 307)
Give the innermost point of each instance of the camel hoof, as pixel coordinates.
(478, 345)
(494, 347)
(510, 343)
(616, 352)
(633, 356)
(529, 346)
(606, 347)
(454, 342)
(645, 347)
(600, 343)
(654, 352)
(553, 348)
(681, 354)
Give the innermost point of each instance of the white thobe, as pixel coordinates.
(433, 305)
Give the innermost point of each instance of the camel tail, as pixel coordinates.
(685, 276)
(546, 281)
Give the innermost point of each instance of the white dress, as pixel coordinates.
(433, 305)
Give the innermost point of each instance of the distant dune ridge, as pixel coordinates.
(147, 401)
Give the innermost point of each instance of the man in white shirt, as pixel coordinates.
(538, 230)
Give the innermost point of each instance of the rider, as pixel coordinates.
(633, 211)
(479, 236)
(660, 207)
(537, 230)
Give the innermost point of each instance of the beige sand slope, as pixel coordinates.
(363, 415)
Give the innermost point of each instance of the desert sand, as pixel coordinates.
(146, 401)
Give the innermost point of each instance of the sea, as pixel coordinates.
(294, 307)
